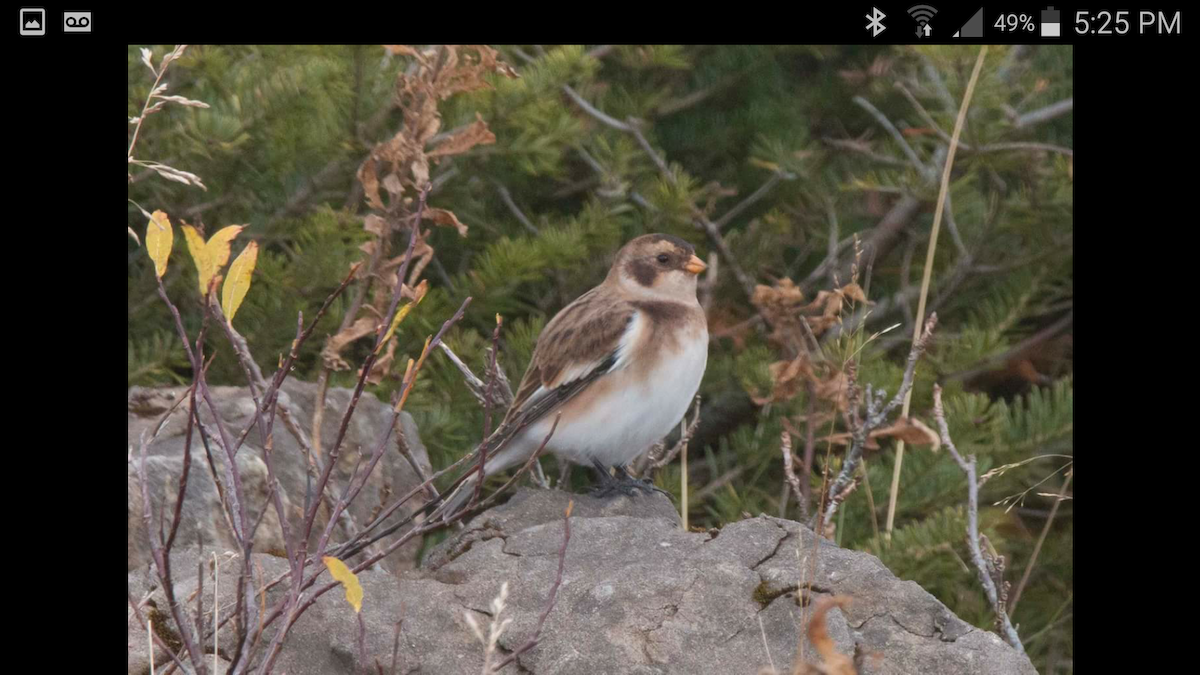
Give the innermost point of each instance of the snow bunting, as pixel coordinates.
(621, 364)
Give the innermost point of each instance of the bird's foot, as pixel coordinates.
(624, 484)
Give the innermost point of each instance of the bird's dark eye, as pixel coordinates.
(663, 258)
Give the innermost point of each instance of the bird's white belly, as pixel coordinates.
(639, 409)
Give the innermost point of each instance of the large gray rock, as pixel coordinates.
(203, 519)
(639, 595)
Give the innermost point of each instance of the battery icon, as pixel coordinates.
(1050, 24)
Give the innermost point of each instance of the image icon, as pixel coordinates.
(33, 21)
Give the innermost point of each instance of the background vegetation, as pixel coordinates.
(788, 152)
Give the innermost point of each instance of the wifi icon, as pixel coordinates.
(922, 14)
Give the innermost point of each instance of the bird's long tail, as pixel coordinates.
(460, 492)
(454, 498)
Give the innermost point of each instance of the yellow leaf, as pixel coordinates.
(159, 238)
(422, 288)
(339, 571)
(218, 245)
(195, 244)
(210, 257)
(237, 283)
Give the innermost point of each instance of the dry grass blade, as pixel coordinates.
(925, 278)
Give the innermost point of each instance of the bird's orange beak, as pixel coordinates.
(695, 265)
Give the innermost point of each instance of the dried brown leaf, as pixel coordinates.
(405, 50)
(465, 67)
(783, 295)
(374, 224)
(854, 292)
(835, 389)
(331, 353)
(381, 366)
(420, 170)
(914, 432)
(391, 183)
(827, 304)
(787, 377)
(417, 294)
(370, 182)
(820, 324)
(836, 663)
(477, 133)
(910, 430)
(444, 217)
(424, 254)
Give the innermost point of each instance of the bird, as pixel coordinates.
(616, 369)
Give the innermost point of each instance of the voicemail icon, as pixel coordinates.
(77, 22)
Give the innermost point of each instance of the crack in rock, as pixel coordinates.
(648, 634)
(778, 544)
(938, 632)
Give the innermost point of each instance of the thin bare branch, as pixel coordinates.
(506, 197)
(926, 116)
(749, 201)
(789, 466)
(895, 133)
(1047, 147)
(973, 537)
(595, 112)
(877, 412)
(1046, 114)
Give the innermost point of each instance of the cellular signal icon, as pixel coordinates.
(922, 14)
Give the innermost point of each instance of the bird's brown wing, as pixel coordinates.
(579, 341)
(580, 344)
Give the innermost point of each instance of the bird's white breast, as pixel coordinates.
(637, 403)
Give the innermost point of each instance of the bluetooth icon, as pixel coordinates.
(876, 18)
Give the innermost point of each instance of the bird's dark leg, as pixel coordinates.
(605, 478)
(644, 484)
(622, 484)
